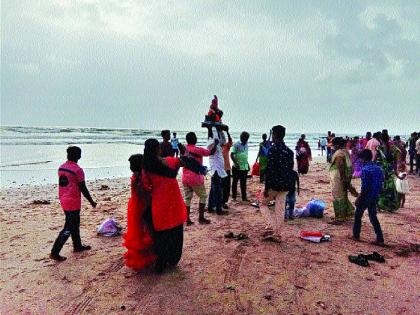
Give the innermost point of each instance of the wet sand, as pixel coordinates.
(216, 275)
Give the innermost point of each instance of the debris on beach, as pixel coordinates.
(104, 187)
(41, 202)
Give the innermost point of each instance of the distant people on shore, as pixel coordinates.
(166, 146)
(372, 179)
(323, 145)
(240, 167)
(341, 172)
(174, 144)
(388, 156)
(279, 176)
(303, 155)
(356, 148)
(329, 146)
(71, 184)
(412, 152)
(262, 156)
(373, 144)
(226, 181)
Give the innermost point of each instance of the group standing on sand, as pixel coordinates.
(158, 210)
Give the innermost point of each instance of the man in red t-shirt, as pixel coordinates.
(71, 183)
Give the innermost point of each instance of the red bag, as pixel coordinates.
(255, 169)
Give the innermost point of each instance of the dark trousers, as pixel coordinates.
(241, 176)
(71, 227)
(290, 205)
(226, 187)
(412, 159)
(168, 246)
(418, 164)
(329, 154)
(215, 196)
(371, 207)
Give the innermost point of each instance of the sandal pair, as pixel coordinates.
(239, 237)
(359, 260)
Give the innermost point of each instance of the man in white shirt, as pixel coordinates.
(217, 170)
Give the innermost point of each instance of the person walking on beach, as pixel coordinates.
(279, 177)
(412, 151)
(341, 172)
(262, 156)
(240, 168)
(226, 181)
(372, 180)
(303, 155)
(174, 144)
(323, 144)
(329, 146)
(373, 144)
(71, 184)
(166, 146)
(217, 170)
(401, 145)
(168, 210)
(193, 182)
(388, 156)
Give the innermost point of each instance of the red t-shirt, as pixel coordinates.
(69, 176)
(168, 206)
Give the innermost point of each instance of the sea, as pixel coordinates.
(32, 155)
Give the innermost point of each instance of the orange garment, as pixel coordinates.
(137, 240)
(168, 206)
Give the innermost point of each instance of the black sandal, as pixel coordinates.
(359, 260)
(375, 256)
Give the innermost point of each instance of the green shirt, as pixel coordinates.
(240, 152)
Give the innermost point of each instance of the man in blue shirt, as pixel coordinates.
(372, 181)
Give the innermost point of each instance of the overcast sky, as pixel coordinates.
(348, 66)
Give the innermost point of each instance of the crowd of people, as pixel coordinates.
(158, 208)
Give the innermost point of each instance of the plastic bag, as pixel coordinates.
(255, 169)
(109, 227)
(316, 208)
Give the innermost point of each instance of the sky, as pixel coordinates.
(346, 66)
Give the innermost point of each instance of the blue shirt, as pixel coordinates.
(372, 181)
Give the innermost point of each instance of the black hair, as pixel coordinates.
(152, 163)
(244, 134)
(279, 131)
(264, 136)
(366, 155)
(73, 153)
(191, 138)
(165, 132)
(339, 141)
(136, 164)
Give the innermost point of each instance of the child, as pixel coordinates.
(174, 143)
(215, 114)
(138, 239)
(291, 198)
(402, 187)
(71, 184)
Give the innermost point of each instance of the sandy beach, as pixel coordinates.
(216, 275)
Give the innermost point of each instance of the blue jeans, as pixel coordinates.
(216, 195)
(371, 206)
(290, 205)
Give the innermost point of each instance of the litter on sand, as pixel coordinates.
(110, 227)
(314, 236)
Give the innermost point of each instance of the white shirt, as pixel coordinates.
(216, 161)
(418, 146)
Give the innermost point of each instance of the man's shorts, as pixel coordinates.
(189, 191)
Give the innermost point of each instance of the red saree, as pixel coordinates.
(137, 240)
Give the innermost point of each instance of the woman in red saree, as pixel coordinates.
(303, 155)
(138, 239)
(168, 210)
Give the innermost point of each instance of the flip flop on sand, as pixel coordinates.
(375, 256)
(239, 237)
(359, 260)
(271, 238)
(255, 205)
(271, 203)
